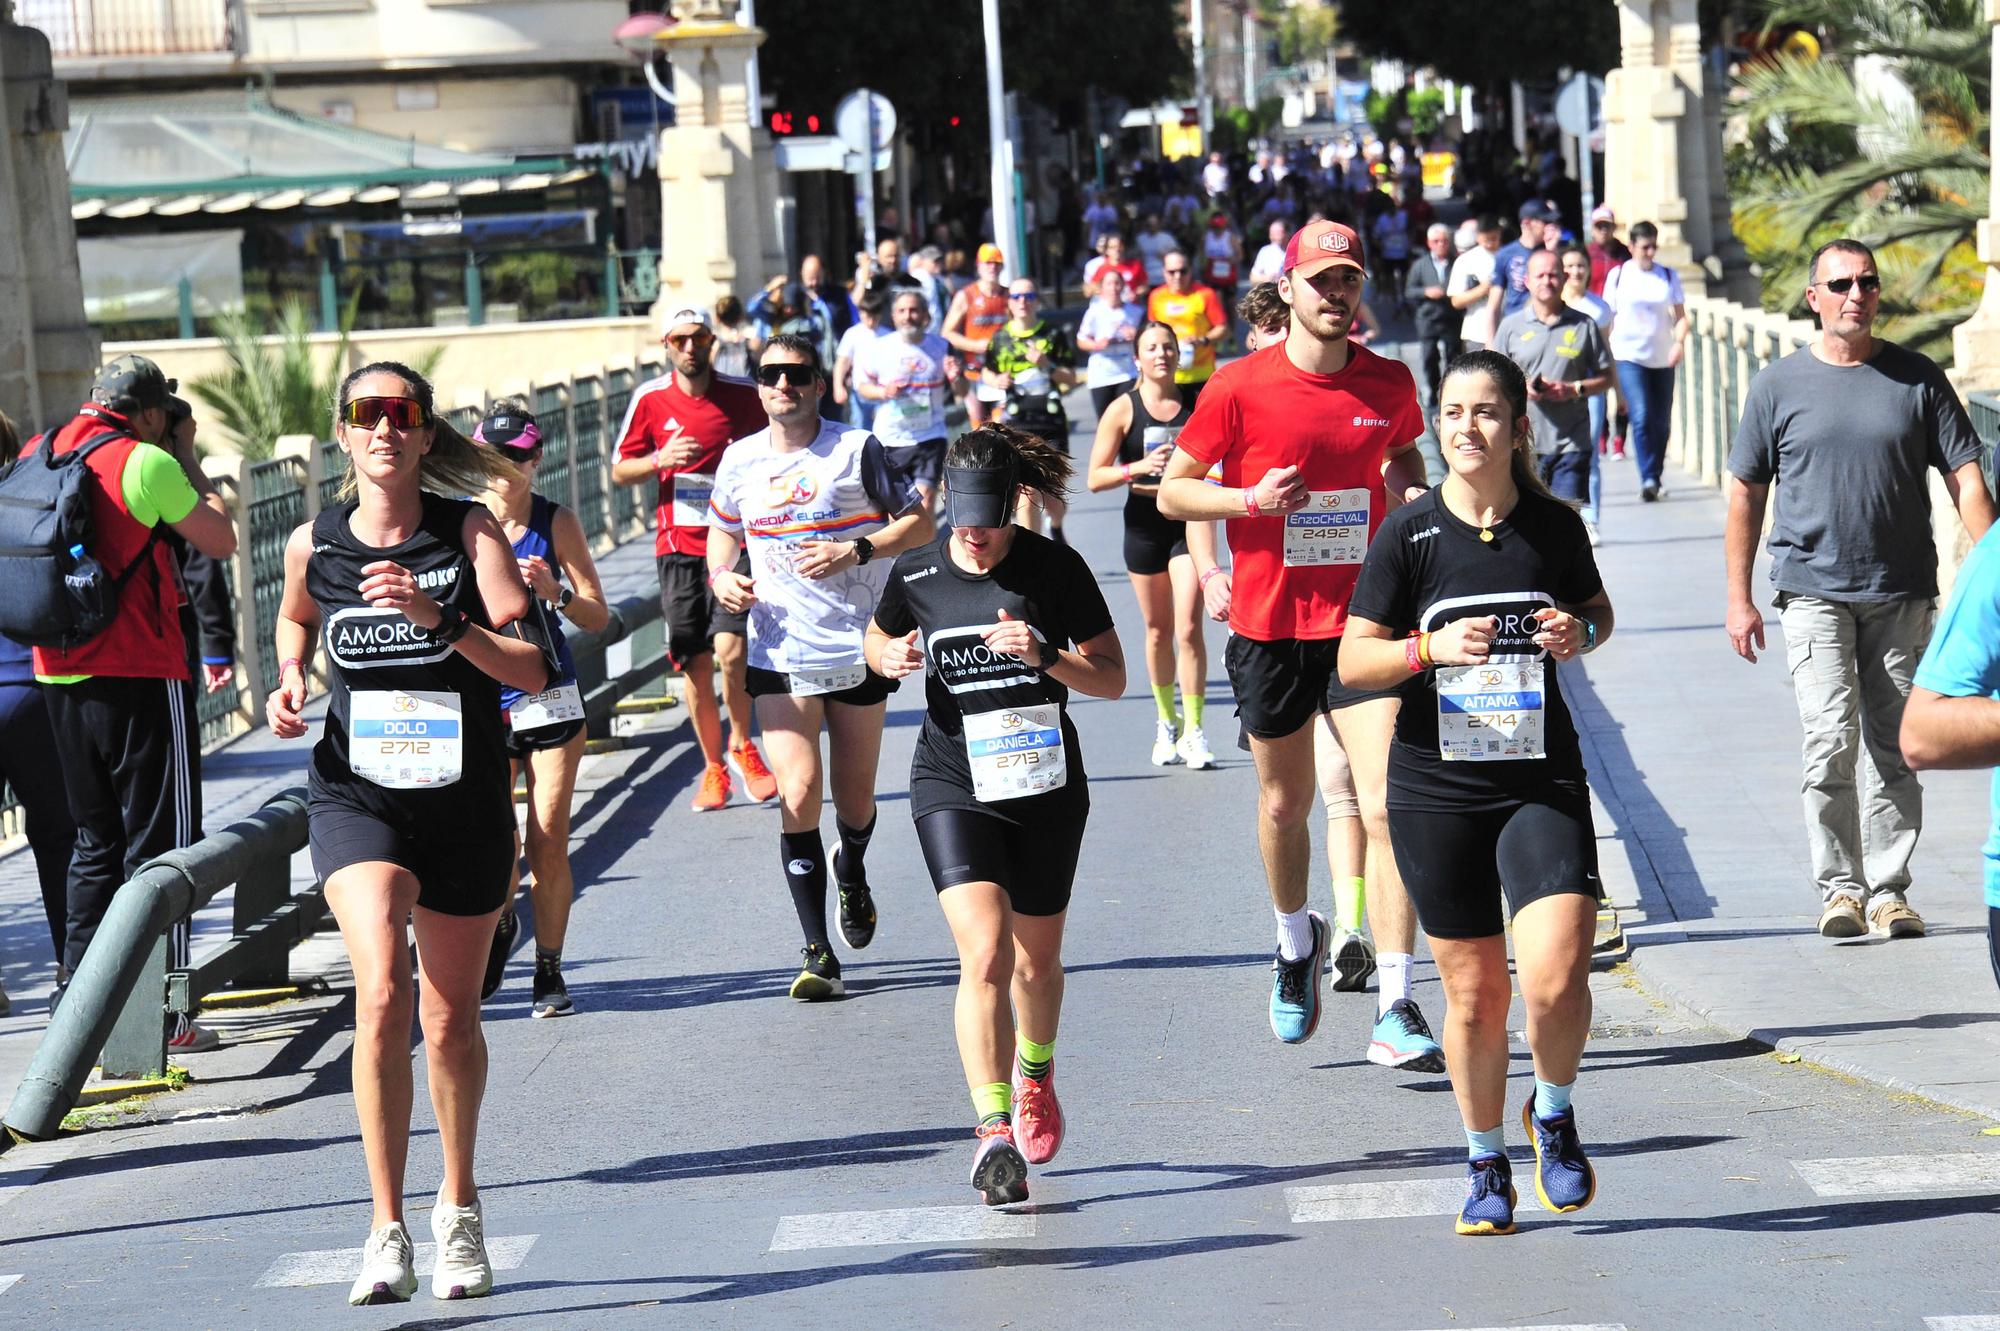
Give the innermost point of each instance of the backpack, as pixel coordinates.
(53, 592)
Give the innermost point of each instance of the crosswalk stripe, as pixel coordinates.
(8, 1282)
(1980, 1322)
(337, 1266)
(916, 1224)
(1560, 1326)
(1864, 1176)
(1392, 1200)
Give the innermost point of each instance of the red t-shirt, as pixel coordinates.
(660, 412)
(1294, 574)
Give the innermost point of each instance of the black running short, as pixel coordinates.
(1035, 866)
(1151, 541)
(917, 464)
(458, 872)
(1457, 866)
(1284, 684)
(693, 615)
(871, 690)
(520, 743)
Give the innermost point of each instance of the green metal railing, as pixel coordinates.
(277, 507)
(1984, 408)
(550, 403)
(589, 449)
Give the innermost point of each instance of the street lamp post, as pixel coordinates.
(1006, 231)
(1198, 34)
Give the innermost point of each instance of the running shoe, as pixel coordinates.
(388, 1268)
(1489, 1197)
(758, 783)
(1564, 1180)
(857, 910)
(6, 1004)
(1649, 491)
(714, 791)
(1194, 751)
(190, 1037)
(1893, 918)
(1353, 961)
(1295, 986)
(1402, 1039)
(551, 994)
(1038, 1116)
(998, 1169)
(1165, 754)
(504, 935)
(463, 1270)
(819, 977)
(1841, 918)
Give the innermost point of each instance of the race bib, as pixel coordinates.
(692, 491)
(1160, 436)
(1015, 752)
(911, 411)
(835, 679)
(1331, 529)
(558, 706)
(1490, 713)
(1221, 270)
(404, 741)
(986, 392)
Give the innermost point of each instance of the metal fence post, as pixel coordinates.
(137, 1045)
(306, 449)
(231, 472)
(569, 430)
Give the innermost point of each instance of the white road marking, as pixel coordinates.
(337, 1266)
(1867, 1176)
(1563, 1326)
(916, 1224)
(1977, 1323)
(8, 1282)
(1392, 1200)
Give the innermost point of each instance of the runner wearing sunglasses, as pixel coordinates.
(1007, 623)
(817, 505)
(544, 731)
(425, 619)
(1034, 363)
(673, 435)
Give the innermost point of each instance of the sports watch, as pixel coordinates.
(563, 598)
(864, 549)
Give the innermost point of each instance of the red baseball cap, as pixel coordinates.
(1318, 246)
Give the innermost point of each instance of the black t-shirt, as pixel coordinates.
(1053, 590)
(1427, 568)
(400, 671)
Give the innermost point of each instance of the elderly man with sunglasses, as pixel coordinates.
(1848, 426)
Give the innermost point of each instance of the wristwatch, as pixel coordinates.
(563, 598)
(452, 625)
(1589, 634)
(864, 549)
(1050, 655)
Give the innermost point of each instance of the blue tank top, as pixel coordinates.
(539, 539)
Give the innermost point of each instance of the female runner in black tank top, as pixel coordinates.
(1134, 440)
(410, 813)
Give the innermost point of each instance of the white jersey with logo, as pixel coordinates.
(835, 489)
(915, 415)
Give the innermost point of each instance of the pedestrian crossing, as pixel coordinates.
(1887, 1175)
(336, 1266)
(917, 1224)
(8, 1282)
(1981, 1322)
(1390, 1200)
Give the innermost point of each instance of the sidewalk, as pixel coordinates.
(1694, 755)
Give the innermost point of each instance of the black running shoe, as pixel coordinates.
(819, 976)
(504, 935)
(857, 910)
(551, 994)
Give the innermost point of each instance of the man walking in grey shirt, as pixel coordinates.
(1562, 354)
(1848, 426)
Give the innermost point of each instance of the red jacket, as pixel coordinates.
(144, 639)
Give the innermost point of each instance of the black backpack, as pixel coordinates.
(53, 592)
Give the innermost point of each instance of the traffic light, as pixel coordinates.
(783, 123)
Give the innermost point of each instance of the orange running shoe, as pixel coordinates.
(758, 783)
(1038, 1117)
(714, 792)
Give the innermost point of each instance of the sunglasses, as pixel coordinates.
(1173, 272)
(797, 375)
(1840, 286)
(700, 338)
(1022, 295)
(366, 413)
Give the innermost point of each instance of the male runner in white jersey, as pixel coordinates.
(1307, 433)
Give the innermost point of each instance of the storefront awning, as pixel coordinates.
(226, 156)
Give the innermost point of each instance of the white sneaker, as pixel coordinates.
(1164, 752)
(463, 1270)
(190, 1037)
(388, 1268)
(1194, 751)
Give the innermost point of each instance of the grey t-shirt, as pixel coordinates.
(1565, 352)
(1848, 447)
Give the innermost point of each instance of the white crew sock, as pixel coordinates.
(1295, 933)
(1392, 979)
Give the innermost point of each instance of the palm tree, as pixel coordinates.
(1883, 139)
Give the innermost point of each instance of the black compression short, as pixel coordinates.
(1284, 684)
(1457, 866)
(1036, 867)
(1151, 541)
(873, 688)
(459, 872)
(520, 743)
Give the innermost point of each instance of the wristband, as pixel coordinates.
(1250, 500)
(1125, 470)
(713, 574)
(454, 625)
(1424, 649)
(1410, 657)
(1211, 573)
(288, 663)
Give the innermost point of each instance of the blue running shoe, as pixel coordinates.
(1489, 1197)
(1295, 986)
(1402, 1039)
(1564, 1179)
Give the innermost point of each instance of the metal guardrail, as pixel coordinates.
(1984, 408)
(122, 995)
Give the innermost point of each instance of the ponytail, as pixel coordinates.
(455, 466)
(1038, 464)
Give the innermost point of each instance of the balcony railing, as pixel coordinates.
(90, 29)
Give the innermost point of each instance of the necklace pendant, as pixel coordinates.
(1486, 535)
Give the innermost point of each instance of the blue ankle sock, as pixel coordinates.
(1551, 1099)
(1493, 1141)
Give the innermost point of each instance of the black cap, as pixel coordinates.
(132, 383)
(979, 496)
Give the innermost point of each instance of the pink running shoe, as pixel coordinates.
(1038, 1116)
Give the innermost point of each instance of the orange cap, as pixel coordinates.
(990, 253)
(1318, 246)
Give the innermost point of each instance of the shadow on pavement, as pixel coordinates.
(1843, 1216)
(871, 1148)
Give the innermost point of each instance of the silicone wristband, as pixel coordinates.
(1211, 573)
(1125, 470)
(1250, 500)
(1410, 657)
(288, 663)
(1424, 649)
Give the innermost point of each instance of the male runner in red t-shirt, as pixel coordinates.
(1306, 434)
(675, 430)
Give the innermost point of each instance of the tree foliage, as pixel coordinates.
(1477, 42)
(1883, 138)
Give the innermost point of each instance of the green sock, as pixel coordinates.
(1163, 700)
(1349, 895)
(993, 1102)
(1036, 1059)
(1195, 703)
